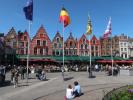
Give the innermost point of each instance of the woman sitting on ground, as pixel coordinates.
(69, 93)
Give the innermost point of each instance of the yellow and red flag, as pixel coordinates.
(64, 17)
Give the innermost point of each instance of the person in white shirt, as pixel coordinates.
(69, 93)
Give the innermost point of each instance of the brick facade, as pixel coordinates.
(11, 39)
(70, 46)
(83, 46)
(23, 39)
(57, 45)
(95, 46)
(41, 44)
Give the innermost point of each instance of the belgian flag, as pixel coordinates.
(64, 17)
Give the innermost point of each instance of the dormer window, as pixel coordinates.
(94, 42)
(41, 35)
(84, 41)
(57, 39)
(71, 44)
(25, 38)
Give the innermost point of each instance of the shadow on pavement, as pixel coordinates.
(68, 78)
(6, 83)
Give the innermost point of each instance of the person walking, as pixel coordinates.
(15, 78)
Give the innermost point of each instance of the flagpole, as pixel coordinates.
(28, 52)
(90, 69)
(111, 48)
(63, 29)
(112, 53)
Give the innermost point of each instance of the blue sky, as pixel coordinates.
(46, 13)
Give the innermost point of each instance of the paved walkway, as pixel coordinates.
(54, 88)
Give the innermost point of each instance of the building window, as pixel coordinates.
(84, 41)
(22, 44)
(38, 42)
(60, 46)
(81, 46)
(14, 44)
(53, 52)
(25, 38)
(96, 48)
(121, 49)
(55, 45)
(57, 53)
(92, 48)
(96, 53)
(75, 45)
(86, 53)
(94, 41)
(66, 44)
(57, 39)
(26, 50)
(124, 44)
(41, 35)
(44, 43)
(71, 44)
(86, 47)
(22, 51)
(35, 51)
(41, 51)
(92, 53)
(121, 44)
(26, 44)
(70, 52)
(125, 49)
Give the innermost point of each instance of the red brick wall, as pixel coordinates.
(41, 35)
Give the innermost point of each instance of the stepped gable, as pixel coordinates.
(83, 37)
(71, 42)
(11, 34)
(41, 34)
(57, 35)
(21, 35)
(94, 38)
(70, 37)
(44, 45)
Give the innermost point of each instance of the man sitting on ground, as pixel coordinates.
(77, 89)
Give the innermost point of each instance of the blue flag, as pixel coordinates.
(28, 10)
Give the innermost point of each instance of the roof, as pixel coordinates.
(59, 58)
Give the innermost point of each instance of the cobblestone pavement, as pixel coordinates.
(54, 88)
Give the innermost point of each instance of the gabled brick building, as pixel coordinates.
(70, 46)
(95, 46)
(57, 45)
(83, 46)
(41, 44)
(23, 39)
(11, 39)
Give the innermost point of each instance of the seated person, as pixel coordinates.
(69, 93)
(77, 89)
